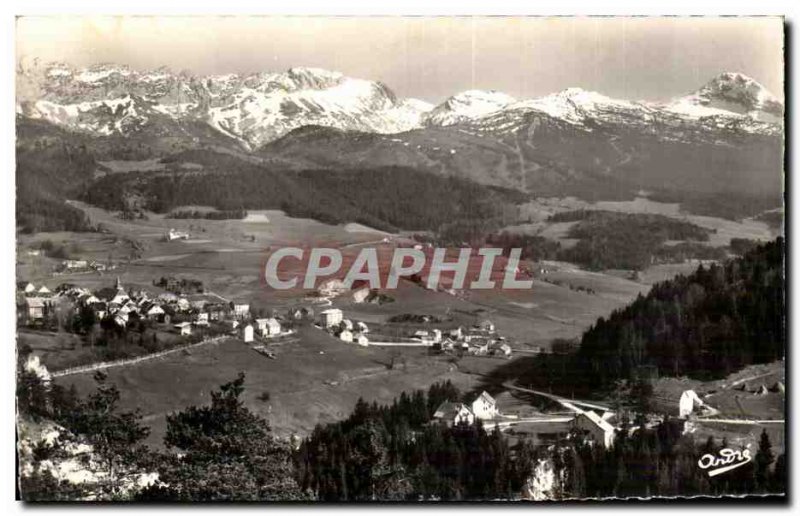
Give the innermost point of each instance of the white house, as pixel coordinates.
(43, 291)
(174, 234)
(260, 325)
(35, 308)
(688, 402)
(247, 333)
(453, 413)
(27, 287)
(268, 326)
(153, 312)
(360, 295)
(184, 328)
(600, 430)
(331, 317)
(274, 326)
(484, 407)
(241, 310)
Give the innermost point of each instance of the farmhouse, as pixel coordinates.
(174, 234)
(35, 308)
(269, 326)
(331, 317)
(184, 328)
(452, 414)
(153, 312)
(484, 407)
(674, 399)
(240, 310)
(216, 311)
(688, 402)
(596, 428)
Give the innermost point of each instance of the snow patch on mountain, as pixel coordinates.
(576, 105)
(468, 105)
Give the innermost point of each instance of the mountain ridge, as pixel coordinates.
(256, 109)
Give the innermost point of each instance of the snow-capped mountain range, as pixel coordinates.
(259, 108)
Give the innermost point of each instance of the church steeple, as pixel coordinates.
(119, 284)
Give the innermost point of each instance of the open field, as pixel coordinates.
(316, 379)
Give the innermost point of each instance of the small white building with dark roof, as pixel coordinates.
(454, 413)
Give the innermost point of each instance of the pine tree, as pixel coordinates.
(764, 457)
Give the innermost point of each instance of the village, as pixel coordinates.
(186, 312)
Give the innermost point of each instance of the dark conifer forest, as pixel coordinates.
(705, 325)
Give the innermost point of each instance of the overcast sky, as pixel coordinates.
(433, 58)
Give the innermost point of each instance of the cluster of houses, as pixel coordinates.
(587, 424)
(480, 339)
(122, 306)
(265, 327)
(333, 321)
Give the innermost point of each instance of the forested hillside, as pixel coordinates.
(388, 198)
(50, 169)
(708, 324)
(392, 453)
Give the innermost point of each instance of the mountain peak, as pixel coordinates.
(732, 93)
